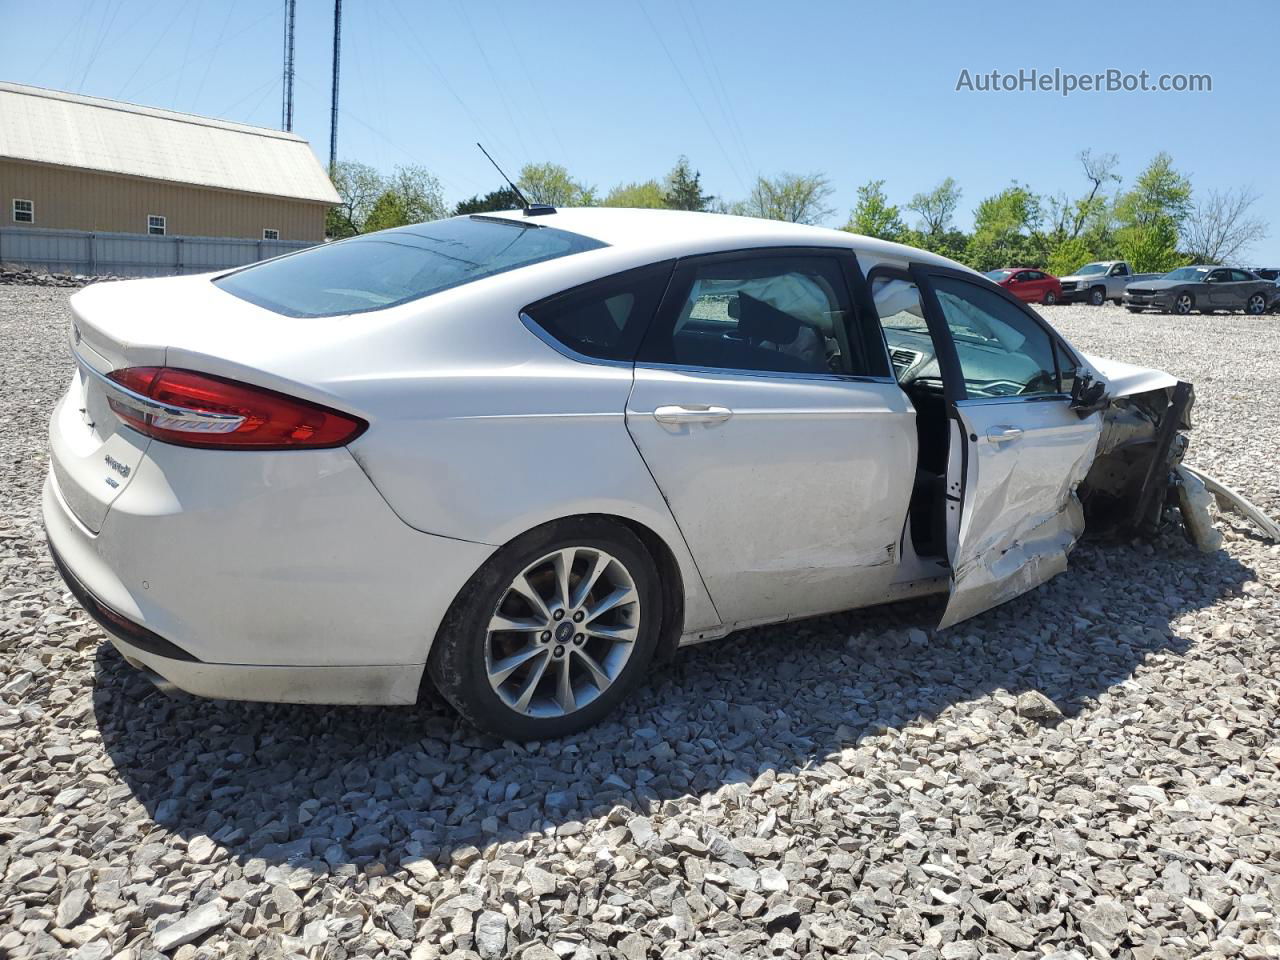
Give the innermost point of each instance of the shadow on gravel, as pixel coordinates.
(353, 785)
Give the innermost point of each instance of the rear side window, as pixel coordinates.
(605, 319)
(391, 267)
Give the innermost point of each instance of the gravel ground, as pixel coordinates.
(1090, 770)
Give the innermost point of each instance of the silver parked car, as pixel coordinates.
(1203, 288)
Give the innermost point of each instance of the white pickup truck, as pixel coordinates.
(1096, 283)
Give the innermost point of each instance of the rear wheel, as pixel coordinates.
(1049, 299)
(1183, 304)
(1257, 304)
(1097, 296)
(552, 632)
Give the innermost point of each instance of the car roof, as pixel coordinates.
(661, 230)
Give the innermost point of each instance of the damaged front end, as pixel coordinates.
(1138, 470)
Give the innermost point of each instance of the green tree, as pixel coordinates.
(1069, 255)
(359, 186)
(1150, 247)
(504, 198)
(1160, 193)
(936, 208)
(388, 211)
(647, 195)
(873, 215)
(1006, 231)
(798, 198)
(551, 183)
(418, 194)
(684, 188)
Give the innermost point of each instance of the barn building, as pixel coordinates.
(75, 163)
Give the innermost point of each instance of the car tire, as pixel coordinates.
(1097, 297)
(1256, 305)
(1183, 304)
(511, 683)
(1049, 299)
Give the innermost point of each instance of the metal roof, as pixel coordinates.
(48, 126)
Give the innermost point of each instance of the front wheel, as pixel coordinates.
(552, 632)
(1183, 304)
(1097, 297)
(1256, 305)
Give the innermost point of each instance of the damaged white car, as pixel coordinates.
(517, 457)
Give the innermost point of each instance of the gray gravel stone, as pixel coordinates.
(853, 786)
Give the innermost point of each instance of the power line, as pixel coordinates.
(533, 87)
(502, 94)
(689, 90)
(382, 135)
(200, 56)
(152, 49)
(185, 54)
(231, 7)
(718, 86)
(485, 134)
(102, 38)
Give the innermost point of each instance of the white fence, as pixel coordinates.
(131, 254)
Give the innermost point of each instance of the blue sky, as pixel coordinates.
(616, 91)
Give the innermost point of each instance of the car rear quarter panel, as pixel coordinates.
(480, 431)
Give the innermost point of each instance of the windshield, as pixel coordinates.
(391, 267)
(1187, 273)
(1091, 268)
(998, 275)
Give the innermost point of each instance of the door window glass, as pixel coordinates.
(786, 314)
(902, 317)
(1002, 351)
(1239, 276)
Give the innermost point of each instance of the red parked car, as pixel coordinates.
(1033, 286)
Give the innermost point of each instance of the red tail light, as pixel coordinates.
(201, 410)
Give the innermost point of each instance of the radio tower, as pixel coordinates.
(333, 110)
(286, 111)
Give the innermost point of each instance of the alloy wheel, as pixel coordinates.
(1182, 304)
(562, 632)
(1257, 304)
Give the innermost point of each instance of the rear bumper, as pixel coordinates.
(286, 579)
(171, 668)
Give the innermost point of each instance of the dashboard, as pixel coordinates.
(989, 370)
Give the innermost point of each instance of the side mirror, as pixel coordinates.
(1087, 394)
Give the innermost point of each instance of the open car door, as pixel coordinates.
(1018, 449)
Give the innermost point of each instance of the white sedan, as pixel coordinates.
(519, 456)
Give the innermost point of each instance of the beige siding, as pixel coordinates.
(69, 199)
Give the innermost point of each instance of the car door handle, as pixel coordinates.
(691, 413)
(1003, 434)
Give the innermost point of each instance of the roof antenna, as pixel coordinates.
(530, 209)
